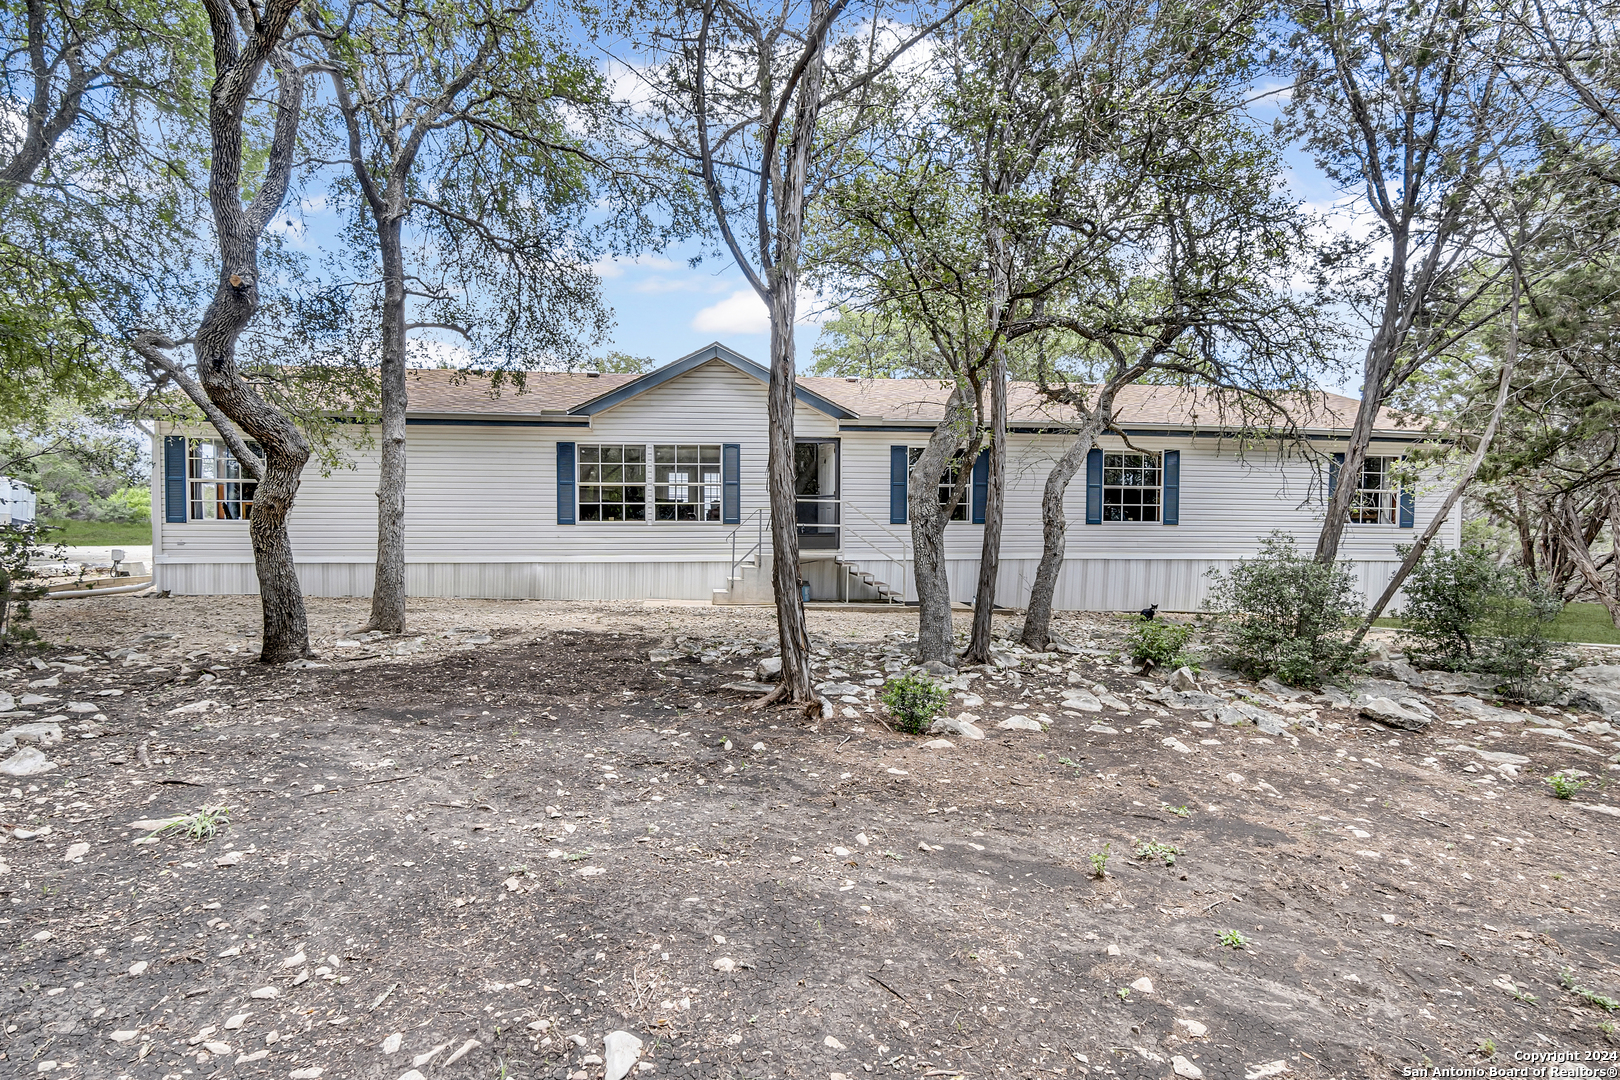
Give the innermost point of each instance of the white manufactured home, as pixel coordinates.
(609, 486)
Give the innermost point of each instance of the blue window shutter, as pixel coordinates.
(174, 479)
(1408, 510)
(1171, 513)
(899, 463)
(981, 485)
(565, 483)
(731, 483)
(1333, 473)
(1094, 486)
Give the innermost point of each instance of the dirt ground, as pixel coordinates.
(513, 833)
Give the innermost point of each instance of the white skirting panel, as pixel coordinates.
(1085, 584)
(494, 581)
(1109, 584)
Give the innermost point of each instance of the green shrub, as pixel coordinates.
(1564, 787)
(1465, 613)
(1158, 643)
(914, 700)
(1282, 615)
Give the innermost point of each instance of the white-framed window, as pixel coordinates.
(1377, 493)
(612, 482)
(947, 483)
(218, 488)
(686, 482)
(1132, 486)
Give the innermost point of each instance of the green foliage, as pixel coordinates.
(874, 345)
(20, 584)
(1282, 615)
(914, 700)
(1234, 940)
(1099, 861)
(1465, 613)
(1159, 643)
(199, 825)
(1601, 1001)
(1564, 787)
(1152, 849)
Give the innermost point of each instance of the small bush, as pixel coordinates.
(1465, 613)
(1234, 940)
(1563, 786)
(914, 700)
(1282, 615)
(1158, 643)
(1099, 861)
(1152, 849)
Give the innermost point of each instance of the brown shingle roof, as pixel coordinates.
(445, 392)
(442, 391)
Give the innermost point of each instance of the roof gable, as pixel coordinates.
(714, 351)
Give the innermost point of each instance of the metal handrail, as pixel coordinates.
(900, 563)
(759, 543)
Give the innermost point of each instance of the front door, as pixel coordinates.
(815, 487)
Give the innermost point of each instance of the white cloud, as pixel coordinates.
(609, 266)
(743, 312)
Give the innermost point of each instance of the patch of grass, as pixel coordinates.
(201, 825)
(1601, 1001)
(100, 533)
(1150, 849)
(1564, 786)
(1234, 940)
(1577, 622)
(1179, 811)
(1099, 861)
(1487, 1047)
(1124, 993)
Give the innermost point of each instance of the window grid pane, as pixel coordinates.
(218, 488)
(1132, 484)
(1377, 494)
(612, 482)
(686, 482)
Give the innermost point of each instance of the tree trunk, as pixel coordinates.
(388, 584)
(1580, 554)
(984, 600)
(935, 631)
(236, 299)
(1037, 632)
(782, 301)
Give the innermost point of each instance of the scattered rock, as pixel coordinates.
(44, 733)
(620, 1050)
(265, 993)
(309, 1072)
(961, 725)
(1144, 985)
(1186, 1068)
(1193, 1028)
(1081, 701)
(206, 705)
(466, 1048)
(725, 963)
(938, 744)
(75, 852)
(26, 762)
(769, 669)
(833, 1043)
(758, 689)
(1019, 723)
(939, 669)
(1390, 714)
(1182, 680)
(124, 1036)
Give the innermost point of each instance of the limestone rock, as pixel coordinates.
(939, 669)
(961, 725)
(768, 669)
(1182, 680)
(43, 733)
(938, 744)
(1186, 1068)
(620, 1050)
(26, 762)
(1081, 701)
(1391, 714)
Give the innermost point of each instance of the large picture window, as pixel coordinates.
(1377, 493)
(612, 482)
(686, 483)
(1132, 487)
(219, 489)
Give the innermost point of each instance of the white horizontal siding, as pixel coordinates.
(481, 515)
